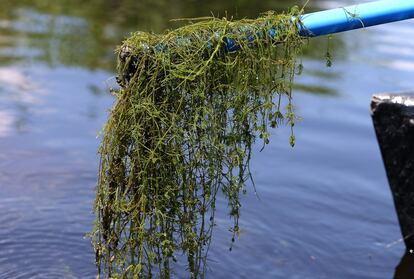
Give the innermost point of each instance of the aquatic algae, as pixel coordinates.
(181, 132)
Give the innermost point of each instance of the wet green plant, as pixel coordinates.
(181, 133)
(328, 54)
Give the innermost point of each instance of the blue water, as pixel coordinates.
(324, 208)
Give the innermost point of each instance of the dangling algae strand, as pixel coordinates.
(181, 131)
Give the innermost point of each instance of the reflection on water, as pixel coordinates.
(325, 210)
(6, 123)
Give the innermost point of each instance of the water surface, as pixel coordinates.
(324, 208)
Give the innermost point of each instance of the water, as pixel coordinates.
(325, 209)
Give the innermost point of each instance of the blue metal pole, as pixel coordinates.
(355, 17)
(347, 18)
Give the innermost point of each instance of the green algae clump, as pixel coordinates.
(181, 133)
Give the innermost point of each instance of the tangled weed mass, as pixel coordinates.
(182, 129)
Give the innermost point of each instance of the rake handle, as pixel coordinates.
(347, 18)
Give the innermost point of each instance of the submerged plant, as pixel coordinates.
(186, 117)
